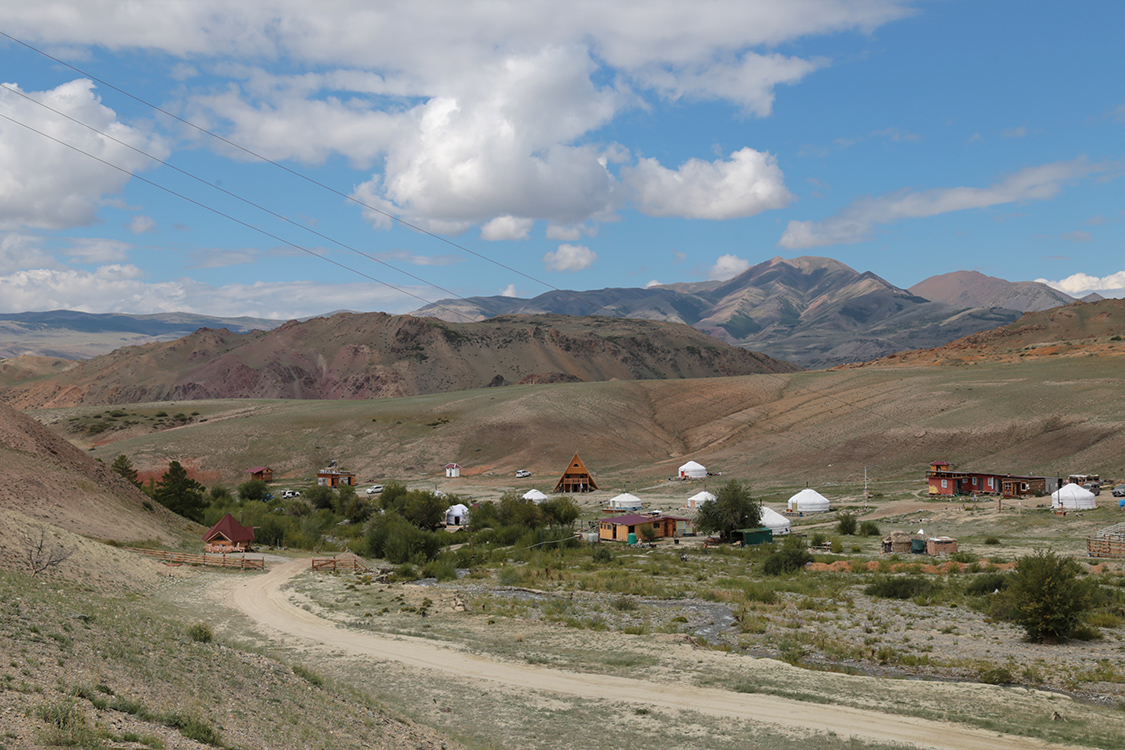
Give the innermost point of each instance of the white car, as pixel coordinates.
(290, 494)
(374, 489)
(523, 473)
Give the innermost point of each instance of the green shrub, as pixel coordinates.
(193, 728)
(987, 583)
(602, 554)
(992, 540)
(791, 557)
(1046, 597)
(443, 568)
(68, 724)
(996, 676)
(898, 587)
(509, 575)
(200, 632)
(869, 528)
(308, 675)
(846, 524)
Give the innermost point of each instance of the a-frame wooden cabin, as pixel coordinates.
(228, 535)
(576, 478)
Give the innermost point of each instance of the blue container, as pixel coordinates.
(632, 539)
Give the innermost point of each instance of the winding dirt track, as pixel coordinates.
(264, 601)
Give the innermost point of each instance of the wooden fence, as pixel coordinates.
(219, 561)
(349, 563)
(1109, 542)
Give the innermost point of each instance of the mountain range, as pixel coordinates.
(375, 355)
(69, 334)
(816, 312)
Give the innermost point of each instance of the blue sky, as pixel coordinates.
(574, 145)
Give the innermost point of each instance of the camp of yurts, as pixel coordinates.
(775, 522)
(625, 501)
(698, 499)
(534, 496)
(808, 501)
(693, 470)
(1073, 497)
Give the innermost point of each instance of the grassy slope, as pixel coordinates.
(1052, 416)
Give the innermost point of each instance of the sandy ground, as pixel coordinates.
(265, 600)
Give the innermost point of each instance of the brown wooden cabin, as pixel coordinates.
(263, 473)
(576, 478)
(228, 535)
(619, 528)
(335, 478)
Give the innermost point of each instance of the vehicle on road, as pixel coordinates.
(523, 473)
(374, 489)
(1119, 490)
(290, 494)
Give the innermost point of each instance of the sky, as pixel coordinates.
(285, 159)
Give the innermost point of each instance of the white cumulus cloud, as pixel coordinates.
(746, 184)
(506, 228)
(570, 258)
(727, 267)
(46, 185)
(509, 291)
(856, 222)
(1081, 284)
(142, 225)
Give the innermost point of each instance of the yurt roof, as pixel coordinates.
(458, 508)
(809, 495)
(1072, 491)
(702, 497)
(692, 465)
(534, 495)
(774, 520)
(898, 535)
(625, 497)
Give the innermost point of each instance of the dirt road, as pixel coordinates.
(264, 600)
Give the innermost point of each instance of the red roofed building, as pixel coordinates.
(228, 535)
(263, 473)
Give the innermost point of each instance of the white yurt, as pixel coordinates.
(625, 501)
(534, 496)
(699, 498)
(692, 470)
(808, 501)
(1073, 497)
(457, 515)
(775, 522)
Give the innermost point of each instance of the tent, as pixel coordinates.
(534, 496)
(625, 501)
(692, 470)
(808, 501)
(775, 522)
(1073, 497)
(699, 498)
(457, 515)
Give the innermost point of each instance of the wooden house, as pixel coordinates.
(263, 473)
(576, 478)
(943, 480)
(941, 545)
(619, 528)
(452, 471)
(228, 535)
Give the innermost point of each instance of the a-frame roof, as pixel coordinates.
(231, 530)
(576, 471)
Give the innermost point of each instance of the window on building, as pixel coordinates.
(944, 483)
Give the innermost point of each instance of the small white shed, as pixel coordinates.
(457, 515)
(693, 470)
(452, 470)
(809, 501)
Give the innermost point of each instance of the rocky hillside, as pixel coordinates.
(1082, 329)
(816, 312)
(373, 355)
(974, 289)
(46, 478)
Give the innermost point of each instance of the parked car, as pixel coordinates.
(290, 494)
(374, 489)
(1119, 490)
(523, 473)
(1093, 487)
